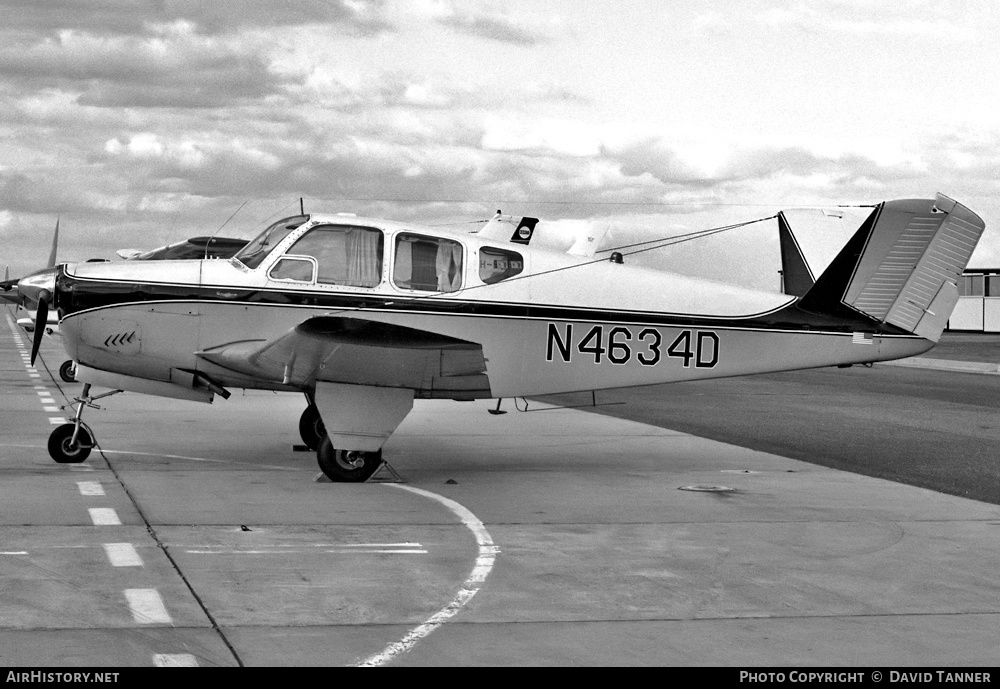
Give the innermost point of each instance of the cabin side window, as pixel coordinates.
(429, 264)
(498, 264)
(345, 255)
(295, 269)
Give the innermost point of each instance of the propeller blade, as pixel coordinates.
(41, 318)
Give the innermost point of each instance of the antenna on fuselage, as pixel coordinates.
(209, 242)
(302, 208)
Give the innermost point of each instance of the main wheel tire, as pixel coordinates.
(67, 371)
(61, 449)
(311, 427)
(345, 466)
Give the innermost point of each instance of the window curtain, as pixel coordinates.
(364, 260)
(449, 266)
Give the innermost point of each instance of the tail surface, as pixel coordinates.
(796, 276)
(901, 267)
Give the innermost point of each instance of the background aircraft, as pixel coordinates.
(365, 316)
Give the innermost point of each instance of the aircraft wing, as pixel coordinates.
(346, 349)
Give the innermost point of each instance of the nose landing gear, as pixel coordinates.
(67, 371)
(72, 442)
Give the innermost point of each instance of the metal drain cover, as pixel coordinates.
(708, 489)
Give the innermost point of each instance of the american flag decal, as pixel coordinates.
(862, 338)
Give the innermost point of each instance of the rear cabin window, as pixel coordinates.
(344, 255)
(498, 264)
(429, 264)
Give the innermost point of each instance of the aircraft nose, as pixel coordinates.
(38, 286)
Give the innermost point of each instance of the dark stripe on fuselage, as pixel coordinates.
(82, 294)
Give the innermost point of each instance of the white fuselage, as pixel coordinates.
(564, 324)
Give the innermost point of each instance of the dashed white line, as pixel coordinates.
(122, 555)
(104, 516)
(57, 420)
(175, 660)
(90, 488)
(147, 607)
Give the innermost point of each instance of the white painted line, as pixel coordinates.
(32, 370)
(43, 394)
(197, 459)
(175, 660)
(90, 487)
(14, 552)
(404, 552)
(104, 516)
(34, 375)
(80, 467)
(147, 606)
(344, 551)
(484, 564)
(51, 409)
(56, 420)
(46, 400)
(122, 555)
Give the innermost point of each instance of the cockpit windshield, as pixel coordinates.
(257, 250)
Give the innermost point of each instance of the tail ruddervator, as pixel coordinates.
(901, 268)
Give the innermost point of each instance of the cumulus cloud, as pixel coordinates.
(179, 70)
(141, 17)
(491, 22)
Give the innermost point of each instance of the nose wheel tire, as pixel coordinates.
(63, 450)
(311, 427)
(67, 371)
(347, 466)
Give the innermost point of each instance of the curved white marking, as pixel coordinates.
(484, 563)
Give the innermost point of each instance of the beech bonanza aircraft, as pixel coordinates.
(364, 316)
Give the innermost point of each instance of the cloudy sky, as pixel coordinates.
(142, 123)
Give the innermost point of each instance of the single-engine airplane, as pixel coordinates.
(365, 316)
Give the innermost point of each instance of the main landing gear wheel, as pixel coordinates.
(347, 466)
(64, 450)
(68, 371)
(311, 427)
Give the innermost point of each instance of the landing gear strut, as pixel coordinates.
(72, 442)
